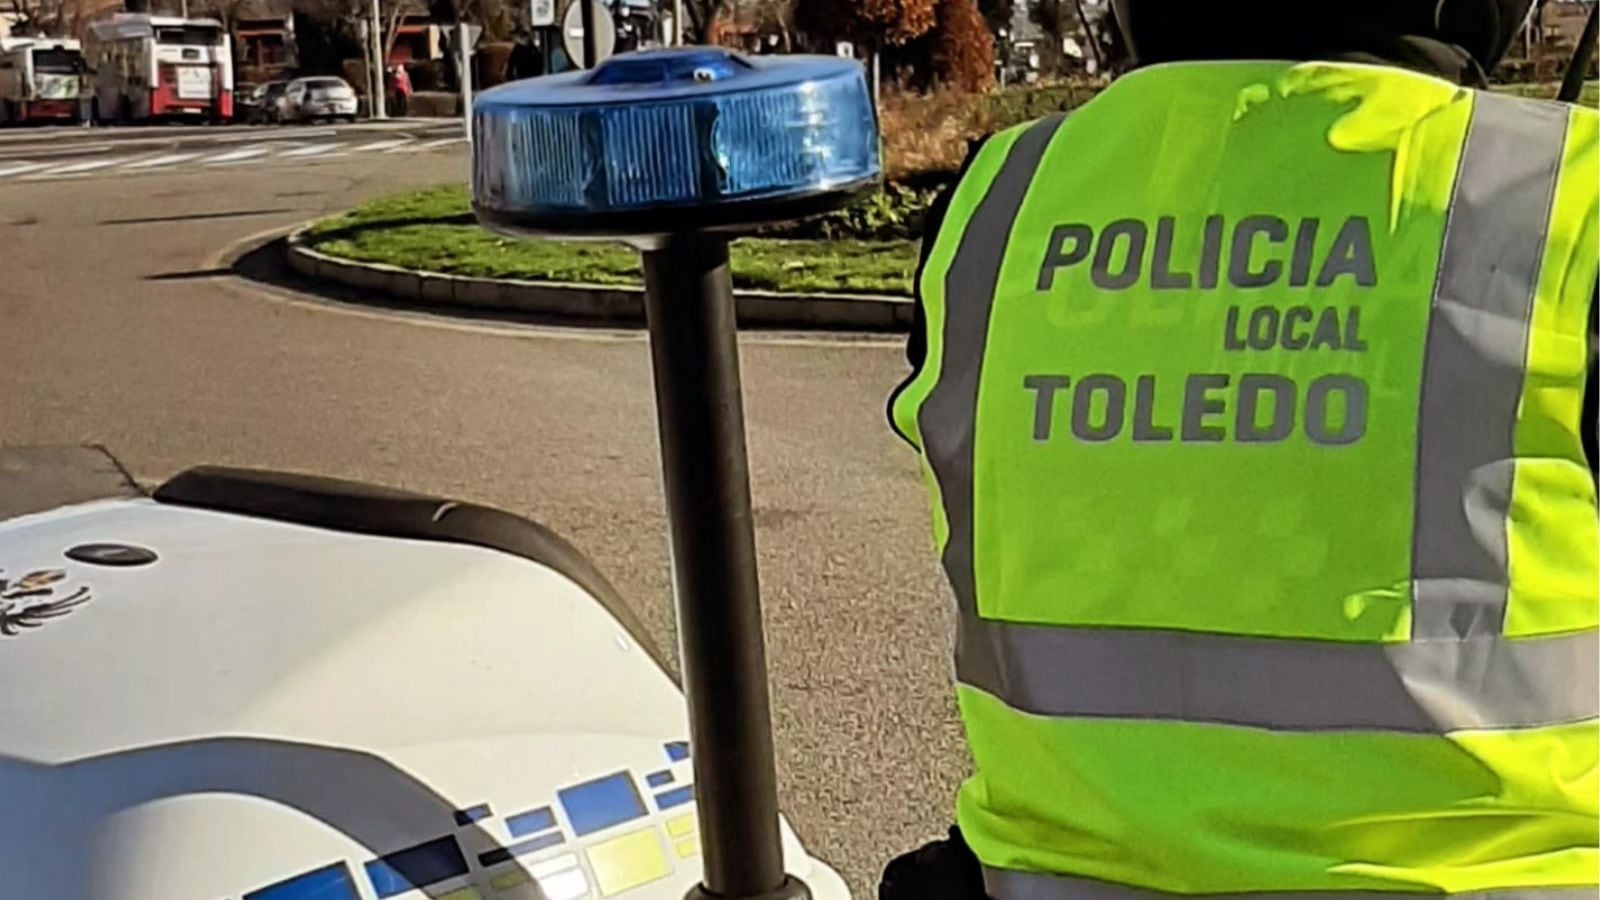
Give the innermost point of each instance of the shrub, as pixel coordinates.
(894, 213)
(1004, 109)
(926, 135)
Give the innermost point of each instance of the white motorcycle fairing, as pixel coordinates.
(254, 687)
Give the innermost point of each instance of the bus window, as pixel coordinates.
(57, 60)
(188, 35)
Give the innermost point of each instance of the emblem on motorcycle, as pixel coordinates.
(34, 599)
(111, 555)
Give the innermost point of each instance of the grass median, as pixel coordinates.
(433, 230)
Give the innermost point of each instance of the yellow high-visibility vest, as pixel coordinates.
(1251, 421)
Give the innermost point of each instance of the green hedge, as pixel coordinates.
(895, 213)
(434, 230)
(1003, 109)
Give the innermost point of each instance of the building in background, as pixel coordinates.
(1561, 23)
(1548, 40)
(1016, 47)
(417, 39)
(263, 39)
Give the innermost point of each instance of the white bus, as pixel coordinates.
(150, 67)
(40, 79)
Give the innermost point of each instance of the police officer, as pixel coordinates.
(1250, 399)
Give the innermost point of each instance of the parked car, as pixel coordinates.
(319, 97)
(263, 104)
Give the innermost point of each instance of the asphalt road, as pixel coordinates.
(123, 326)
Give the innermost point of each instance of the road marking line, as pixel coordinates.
(167, 160)
(63, 150)
(21, 167)
(75, 168)
(313, 150)
(381, 145)
(432, 145)
(239, 155)
(277, 133)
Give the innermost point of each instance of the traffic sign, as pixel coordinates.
(542, 13)
(605, 32)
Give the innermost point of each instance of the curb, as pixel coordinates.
(593, 303)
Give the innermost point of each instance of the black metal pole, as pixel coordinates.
(590, 54)
(694, 349)
(1091, 40)
(1572, 84)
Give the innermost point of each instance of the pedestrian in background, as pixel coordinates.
(399, 90)
(402, 90)
(526, 61)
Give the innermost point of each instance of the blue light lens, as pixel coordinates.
(672, 129)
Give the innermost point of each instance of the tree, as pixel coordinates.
(997, 13)
(699, 15)
(1051, 15)
(337, 33)
(1094, 27)
(963, 55)
(225, 11)
(773, 17)
(35, 16)
(875, 23)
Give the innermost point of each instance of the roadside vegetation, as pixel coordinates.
(870, 247)
(433, 230)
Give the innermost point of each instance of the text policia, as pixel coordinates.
(1262, 251)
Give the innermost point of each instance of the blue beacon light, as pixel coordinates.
(675, 152)
(672, 141)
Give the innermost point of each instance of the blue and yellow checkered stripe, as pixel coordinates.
(619, 832)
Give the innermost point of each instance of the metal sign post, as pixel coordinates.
(589, 55)
(588, 33)
(379, 107)
(464, 65)
(467, 37)
(1578, 67)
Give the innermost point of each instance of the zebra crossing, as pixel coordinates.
(265, 153)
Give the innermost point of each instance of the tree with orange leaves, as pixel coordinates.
(963, 54)
(872, 22)
(927, 41)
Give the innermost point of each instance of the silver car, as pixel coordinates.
(264, 104)
(319, 97)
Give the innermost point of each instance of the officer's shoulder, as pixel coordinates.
(995, 140)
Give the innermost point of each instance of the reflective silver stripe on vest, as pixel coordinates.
(1286, 685)
(1006, 884)
(1472, 375)
(1458, 672)
(947, 414)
